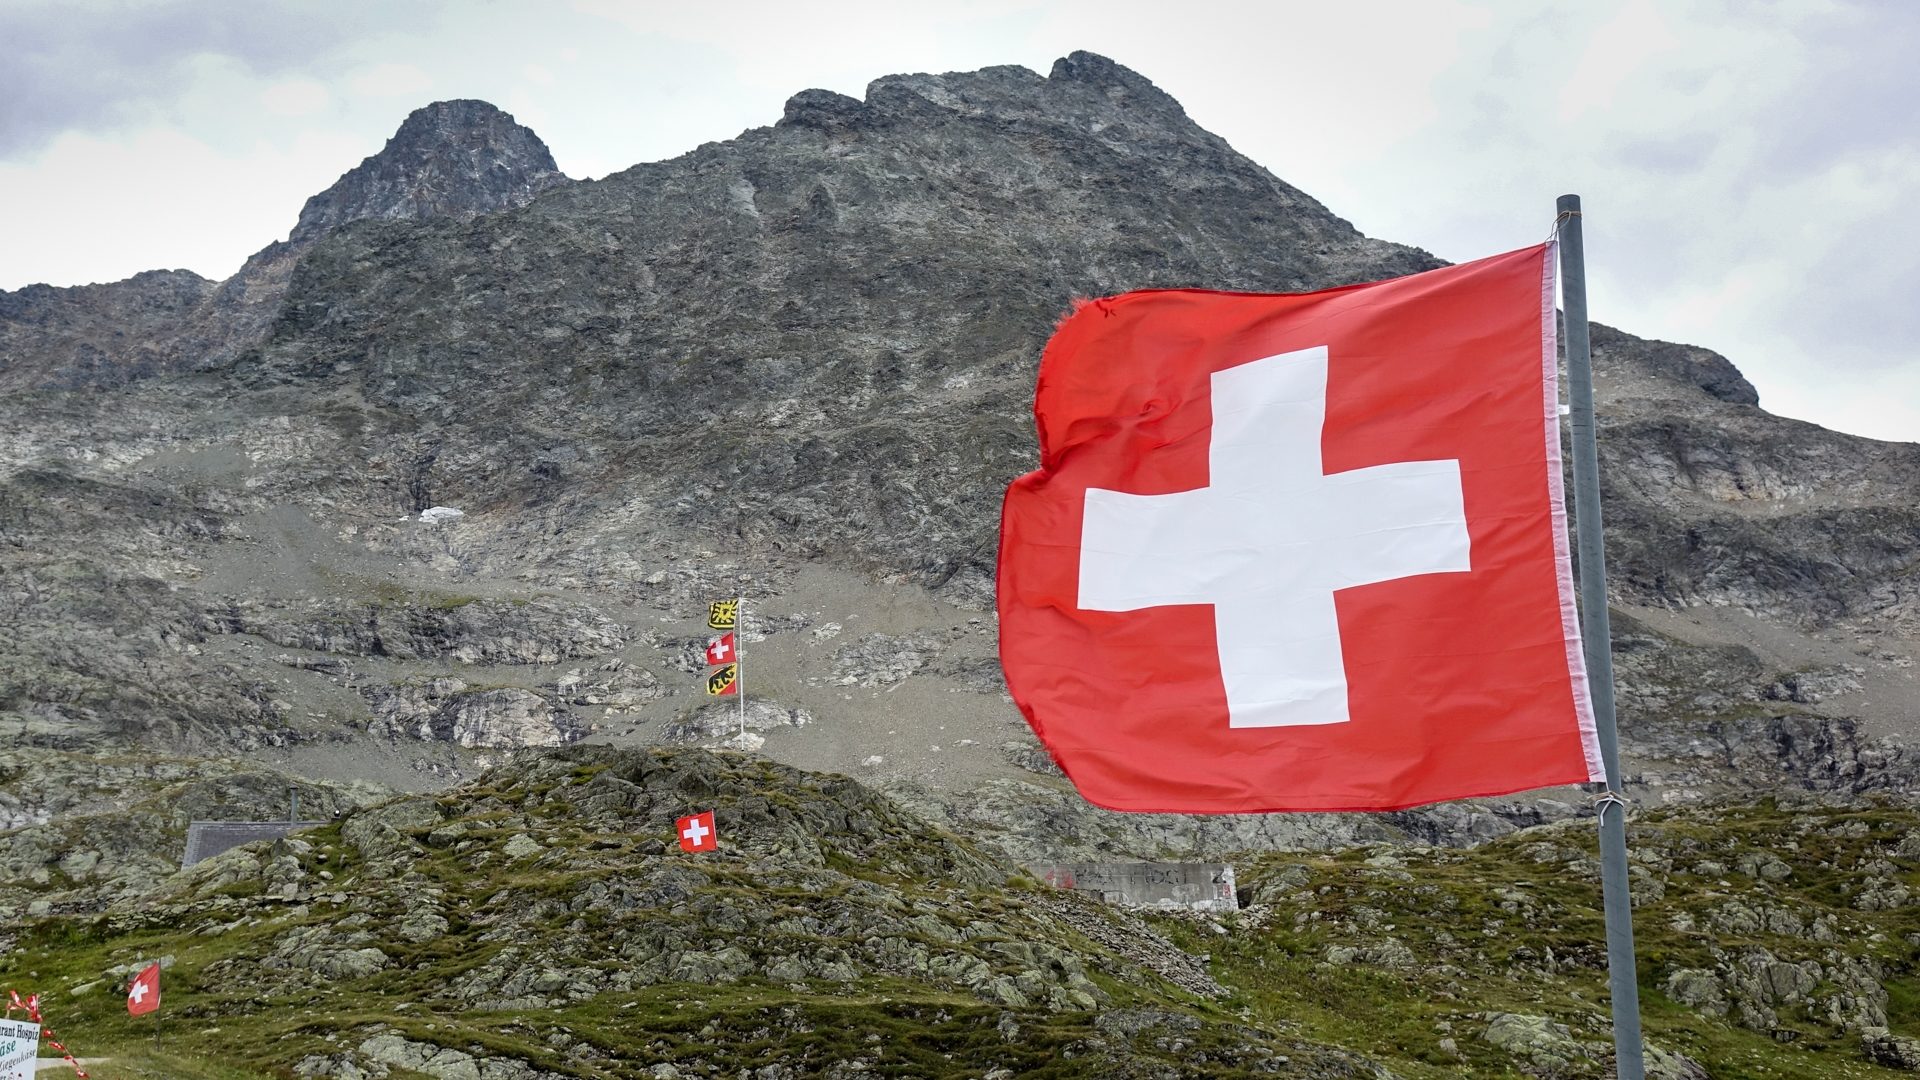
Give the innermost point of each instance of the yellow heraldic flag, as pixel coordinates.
(723, 614)
(723, 680)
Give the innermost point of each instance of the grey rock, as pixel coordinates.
(722, 718)
(1542, 1043)
(883, 659)
(1882, 1047)
(448, 710)
(1668, 1065)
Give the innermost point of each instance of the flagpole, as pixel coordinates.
(739, 668)
(1594, 629)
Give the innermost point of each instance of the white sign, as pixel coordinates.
(19, 1045)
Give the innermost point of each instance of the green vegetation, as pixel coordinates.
(544, 917)
(1389, 952)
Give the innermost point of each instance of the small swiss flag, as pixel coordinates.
(720, 650)
(144, 995)
(696, 832)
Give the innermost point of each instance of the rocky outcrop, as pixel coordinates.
(95, 335)
(464, 629)
(84, 832)
(485, 717)
(720, 719)
(456, 159)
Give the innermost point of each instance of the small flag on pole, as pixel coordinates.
(696, 832)
(723, 654)
(144, 995)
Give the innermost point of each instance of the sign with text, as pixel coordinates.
(19, 1045)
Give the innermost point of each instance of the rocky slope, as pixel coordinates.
(794, 366)
(84, 833)
(540, 922)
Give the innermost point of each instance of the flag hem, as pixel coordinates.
(1357, 808)
(1557, 496)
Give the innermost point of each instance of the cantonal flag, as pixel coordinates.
(1301, 552)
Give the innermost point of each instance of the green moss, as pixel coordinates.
(1514, 926)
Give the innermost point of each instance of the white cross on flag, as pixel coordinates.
(144, 995)
(1301, 552)
(696, 832)
(720, 650)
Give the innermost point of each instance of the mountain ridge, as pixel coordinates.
(797, 364)
(796, 367)
(449, 158)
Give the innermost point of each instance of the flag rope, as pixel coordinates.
(31, 1006)
(1553, 231)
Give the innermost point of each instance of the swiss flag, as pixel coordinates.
(720, 650)
(696, 832)
(1301, 552)
(144, 995)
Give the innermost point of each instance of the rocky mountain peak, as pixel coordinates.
(1085, 93)
(449, 159)
(1117, 81)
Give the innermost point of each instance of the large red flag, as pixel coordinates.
(1301, 552)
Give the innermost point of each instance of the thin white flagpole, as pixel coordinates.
(1595, 630)
(740, 669)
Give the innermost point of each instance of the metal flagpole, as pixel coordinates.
(740, 669)
(1594, 628)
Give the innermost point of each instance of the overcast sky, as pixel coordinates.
(1750, 170)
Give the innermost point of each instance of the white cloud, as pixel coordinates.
(295, 97)
(1745, 176)
(96, 227)
(390, 80)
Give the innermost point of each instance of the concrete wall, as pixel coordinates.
(205, 839)
(1200, 886)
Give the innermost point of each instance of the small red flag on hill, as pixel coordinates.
(720, 650)
(696, 832)
(144, 995)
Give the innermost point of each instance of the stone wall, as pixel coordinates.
(1200, 886)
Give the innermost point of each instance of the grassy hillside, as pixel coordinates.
(541, 923)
